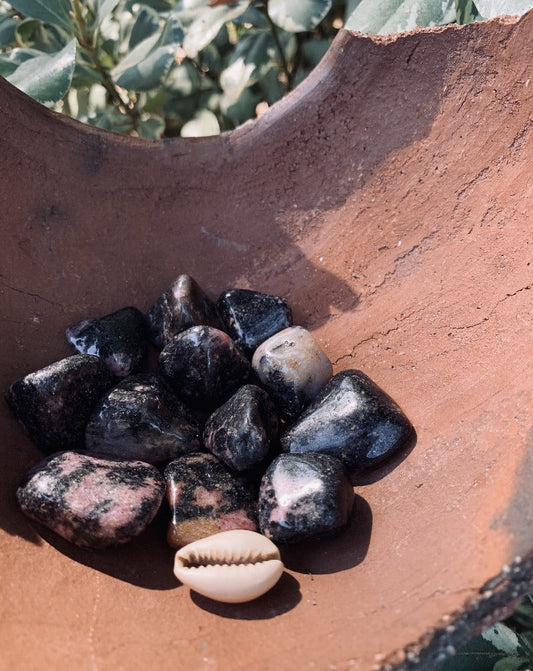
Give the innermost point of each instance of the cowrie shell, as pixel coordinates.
(231, 566)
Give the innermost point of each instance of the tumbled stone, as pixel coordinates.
(304, 496)
(183, 305)
(55, 403)
(251, 317)
(205, 498)
(352, 419)
(120, 339)
(240, 432)
(292, 368)
(203, 365)
(92, 502)
(142, 419)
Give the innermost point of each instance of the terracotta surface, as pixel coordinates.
(389, 198)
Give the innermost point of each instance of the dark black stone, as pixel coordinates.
(240, 432)
(90, 501)
(251, 317)
(55, 403)
(352, 419)
(120, 339)
(183, 305)
(203, 365)
(304, 496)
(141, 418)
(206, 498)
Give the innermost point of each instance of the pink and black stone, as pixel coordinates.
(304, 496)
(251, 317)
(352, 419)
(141, 418)
(242, 431)
(206, 498)
(54, 404)
(203, 366)
(183, 305)
(120, 339)
(92, 502)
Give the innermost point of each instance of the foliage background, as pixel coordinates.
(161, 68)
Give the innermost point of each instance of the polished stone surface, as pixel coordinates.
(293, 368)
(205, 498)
(304, 496)
(92, 502)
(141, 418)
(120, 339)
(251, 317)
(55, 403)
(178, 308)
(204, 366)
(241, 432)
(352, 419)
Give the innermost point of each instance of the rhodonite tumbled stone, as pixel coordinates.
(54, 403)
(240, 432)
(120, 339)
(205, 498)
(142, 419)
(304, 496)
(203, 365)
(183, 305)
(251, 317)
(292, 368)
(352, 419)
(92, 502)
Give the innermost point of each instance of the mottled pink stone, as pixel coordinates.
(90, 501)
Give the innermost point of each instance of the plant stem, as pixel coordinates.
(275, 37)
(88, 44)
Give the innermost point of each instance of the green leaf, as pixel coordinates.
(491, 8)
(49, 11)
(313, 51)
(502, 638)
(203, 124)
(205, 27)
(105, 7)
(513, 664)
(251, 58)
(147, 65)
(466, 11)
(151, 127)
(112, 119)
(11, 60)
(146, 24)
(297, 16)
(240, 110)
(33, 33)
(8, 25)
(396, 16)
(47, 78)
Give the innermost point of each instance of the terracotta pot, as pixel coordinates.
(389, 199)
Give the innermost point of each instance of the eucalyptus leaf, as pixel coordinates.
(8, 25)
(105, 7)
(477, 655)
(297, 16)
(313, 51)
(11, 60)
(251, 58)
(513, 664)
(240, 110)
(206, 25)
(151, 127)
(466, 11)
(396, 16)
(33, 33)
(148, 63)
(146, 24)
(203, 124)
(503, 638)
(491, 8)
(47, 78)
(49, 11)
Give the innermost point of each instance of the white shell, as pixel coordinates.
(232, 566)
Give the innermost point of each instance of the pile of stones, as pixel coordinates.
(243, 426)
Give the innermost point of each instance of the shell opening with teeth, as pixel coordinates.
(231, 566)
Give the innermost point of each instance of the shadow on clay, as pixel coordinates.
(339, 553)
(284, 596)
